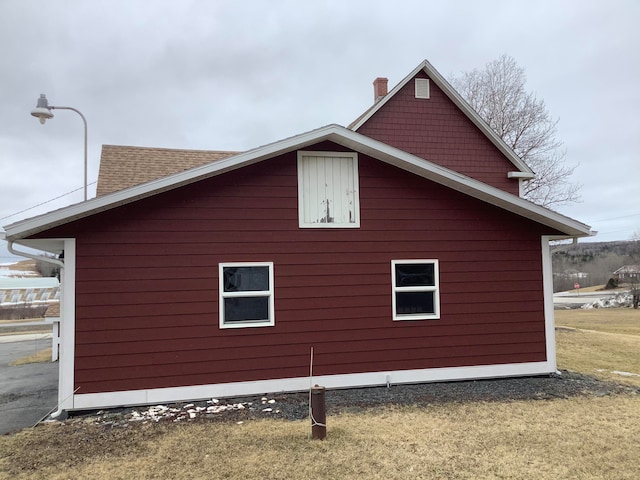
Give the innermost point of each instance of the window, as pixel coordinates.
(246, 295)
(328, 190)
(416, 293)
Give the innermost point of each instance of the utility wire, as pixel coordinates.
(45, 202)
(617, 218)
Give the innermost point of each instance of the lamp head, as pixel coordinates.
(42, 110)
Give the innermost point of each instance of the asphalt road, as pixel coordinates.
(27, 392)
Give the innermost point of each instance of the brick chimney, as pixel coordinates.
(379, 88)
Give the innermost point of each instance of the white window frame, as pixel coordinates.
(301, 190)
(427, 288)
(248, 293)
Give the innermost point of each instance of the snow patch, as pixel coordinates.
(626, 374)
(190, 411)
(618, 300)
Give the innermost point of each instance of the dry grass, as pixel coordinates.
(577, 438)
(600, 288)
(610, 320)
(606, 341)
(38, 357)
(26, 331)
(23, 320)
(24, 266)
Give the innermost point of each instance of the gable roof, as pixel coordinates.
(333, 133)
(523, 169)
(627, 269)
(123, 167)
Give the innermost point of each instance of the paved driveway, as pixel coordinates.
(27, 392)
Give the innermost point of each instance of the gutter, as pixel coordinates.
(41, 258)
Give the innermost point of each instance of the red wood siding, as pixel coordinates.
(147, 282)
(435, 129)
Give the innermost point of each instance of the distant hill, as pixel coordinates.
(591, 263)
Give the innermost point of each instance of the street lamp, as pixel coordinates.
(44, 113)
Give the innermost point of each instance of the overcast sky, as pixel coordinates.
(233, 75)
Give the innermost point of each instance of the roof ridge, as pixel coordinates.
(167, 149)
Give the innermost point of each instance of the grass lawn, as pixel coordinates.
(599, 342)
(610, 320)
(584, 437)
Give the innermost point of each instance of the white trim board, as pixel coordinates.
(67, 326)
(152, 396)
(549, 311)
(333, 133)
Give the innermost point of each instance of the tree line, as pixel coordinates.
(598, 260)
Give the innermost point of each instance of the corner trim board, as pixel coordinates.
(67, 327)
(549, 312)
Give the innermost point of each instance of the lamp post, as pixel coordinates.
(43, 111)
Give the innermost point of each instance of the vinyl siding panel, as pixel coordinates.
(147, 282)
(435, 129)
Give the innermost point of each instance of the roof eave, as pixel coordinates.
(334, 133)
(474, 188)
(46, 221)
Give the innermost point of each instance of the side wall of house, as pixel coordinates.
(147, 282)
(435, 129)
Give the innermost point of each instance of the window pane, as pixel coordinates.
(408, 303)
(415, 275)
(246, 279)
(246, 309)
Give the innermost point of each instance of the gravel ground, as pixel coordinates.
(294, 406)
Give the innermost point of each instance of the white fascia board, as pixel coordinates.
(77, 211)
(463, 184)
(460, 102)
(334, 133)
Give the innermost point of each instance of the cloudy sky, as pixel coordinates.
(233, 75)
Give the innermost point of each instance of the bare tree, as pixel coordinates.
(497, 93)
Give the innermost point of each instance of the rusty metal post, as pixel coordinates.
(318, 413)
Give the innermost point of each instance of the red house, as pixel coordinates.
(397, 248)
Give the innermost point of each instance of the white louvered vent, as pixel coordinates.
(422, 88)
(328, 190)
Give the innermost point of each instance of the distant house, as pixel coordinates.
(397, 248)
(628, 273)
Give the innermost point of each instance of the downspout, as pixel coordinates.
(56, 262)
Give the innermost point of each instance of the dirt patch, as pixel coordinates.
(79, 440)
